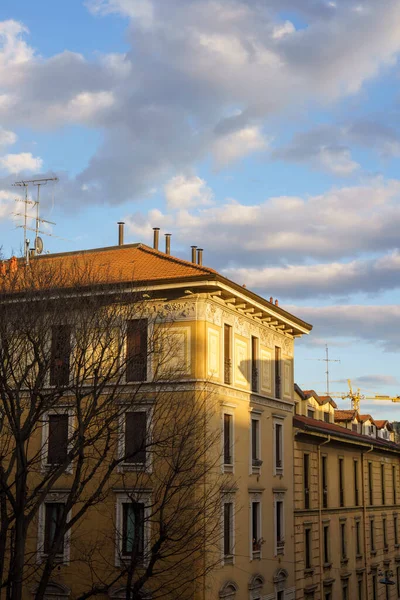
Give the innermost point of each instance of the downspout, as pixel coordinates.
(365, 516)
(320, 515)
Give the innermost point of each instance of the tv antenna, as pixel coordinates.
(326, 360)
(38, 243)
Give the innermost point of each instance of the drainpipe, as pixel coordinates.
(320, 515)
(365, 517)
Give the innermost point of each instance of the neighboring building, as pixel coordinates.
(243, 347)
(308, 403)
(346, 501)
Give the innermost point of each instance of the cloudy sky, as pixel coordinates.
(265, 131)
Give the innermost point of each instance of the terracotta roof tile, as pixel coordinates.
(345, 415)
(364, 418)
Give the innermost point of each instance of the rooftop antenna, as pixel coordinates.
(326, 360)
(38, 243)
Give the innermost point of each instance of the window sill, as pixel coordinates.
(255, 470)
(397, 545)
(228, 559)
(256, 555)
(373, 552)
(278, 471)
(359, 556)
(344, 561)
(59, 558)
(327, 565)
(309, 572)
(134, 467)
(228, 468)
(386, 548)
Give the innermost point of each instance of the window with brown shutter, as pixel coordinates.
(277, 372)
(60, 355)
(58, 439)
(227, 354)
(53, 514)
(133, 529)
(228, 419)
(136, 350)
(228, 516)
(135, 437)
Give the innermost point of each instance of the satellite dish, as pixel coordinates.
(38, 245)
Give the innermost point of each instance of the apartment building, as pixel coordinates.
(228, 341)
(346, 504)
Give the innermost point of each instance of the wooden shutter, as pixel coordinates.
(60, 355)
(58, 439)
(135, 437)
(136, 351)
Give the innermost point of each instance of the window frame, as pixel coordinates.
(145, 466)
(256, 461)
(356, 483)
(254, 361)
(308, 548)
(229, 411)
(227, 355)
(64, 558)
(326, 544)
(341, 482)
(278, 421)
(306, 480)
(127, 497)
(383, 490)
(53, 380)
(256, 552)
(228, 498)
(324, 480)
(343, 541)
(146, 366)
(61, 410)
(279, 503)
(370, 483)
(358, 538)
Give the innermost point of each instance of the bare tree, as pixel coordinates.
(77, 357)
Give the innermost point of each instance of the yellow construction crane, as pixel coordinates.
(355, 397)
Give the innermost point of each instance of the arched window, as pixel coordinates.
(256, 587)
(228, 591)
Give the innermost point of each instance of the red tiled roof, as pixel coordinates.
(346, 415)
(307, 423)
(305, 394)
(380, 424)
(364, 418)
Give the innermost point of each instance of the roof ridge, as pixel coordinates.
(170, 257)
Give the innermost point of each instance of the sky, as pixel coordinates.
(265, 131)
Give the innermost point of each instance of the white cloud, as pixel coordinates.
(283, 29)
(7, 138)
(184, 192)
(238, 144)
(142, 10)
(337, 161)
(84, 107)
(14, 163)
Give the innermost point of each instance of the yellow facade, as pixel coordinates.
(346, 502)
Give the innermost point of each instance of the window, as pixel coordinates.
(306, 480)
(310, 413)
(396, 532)
(383, 483)
(307, 548)
(374, 588)
(384, 531)
(358, 539)
(327, 417)
(360, 591)
(228, 531)
(255, 444)
(326, 545)
(57, 447)
(394, 484)
(228, 446)
(277, 372)
(135, 437)
(398, 580)
(256, 528)
(354, 427)
(324, 460)
(356, 498)
(341, 482)
(54, 512)
(343, 549)
(60, 355)
(133, 529)
(227, 354)
(136, 350)
(279, 527)
(345, 594)
(372, 535)
(254, 360)
(370, 484)
(278, 447)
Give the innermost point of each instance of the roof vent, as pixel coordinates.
(156, 237)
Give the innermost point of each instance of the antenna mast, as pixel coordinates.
(38, 245)
(327, 360)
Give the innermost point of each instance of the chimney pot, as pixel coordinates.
(167, 243)
(276, 302)
(194, 254)
(121, 233)
(156, 237)
(200, 256)
(271, 300)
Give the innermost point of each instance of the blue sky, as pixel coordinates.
(266, 132)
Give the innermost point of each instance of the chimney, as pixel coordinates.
(200, 256)
(276, 302)
(271, 300)
(121, 233)
(194, 254)
(13, 264)
(156, 237)
(167, 243)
